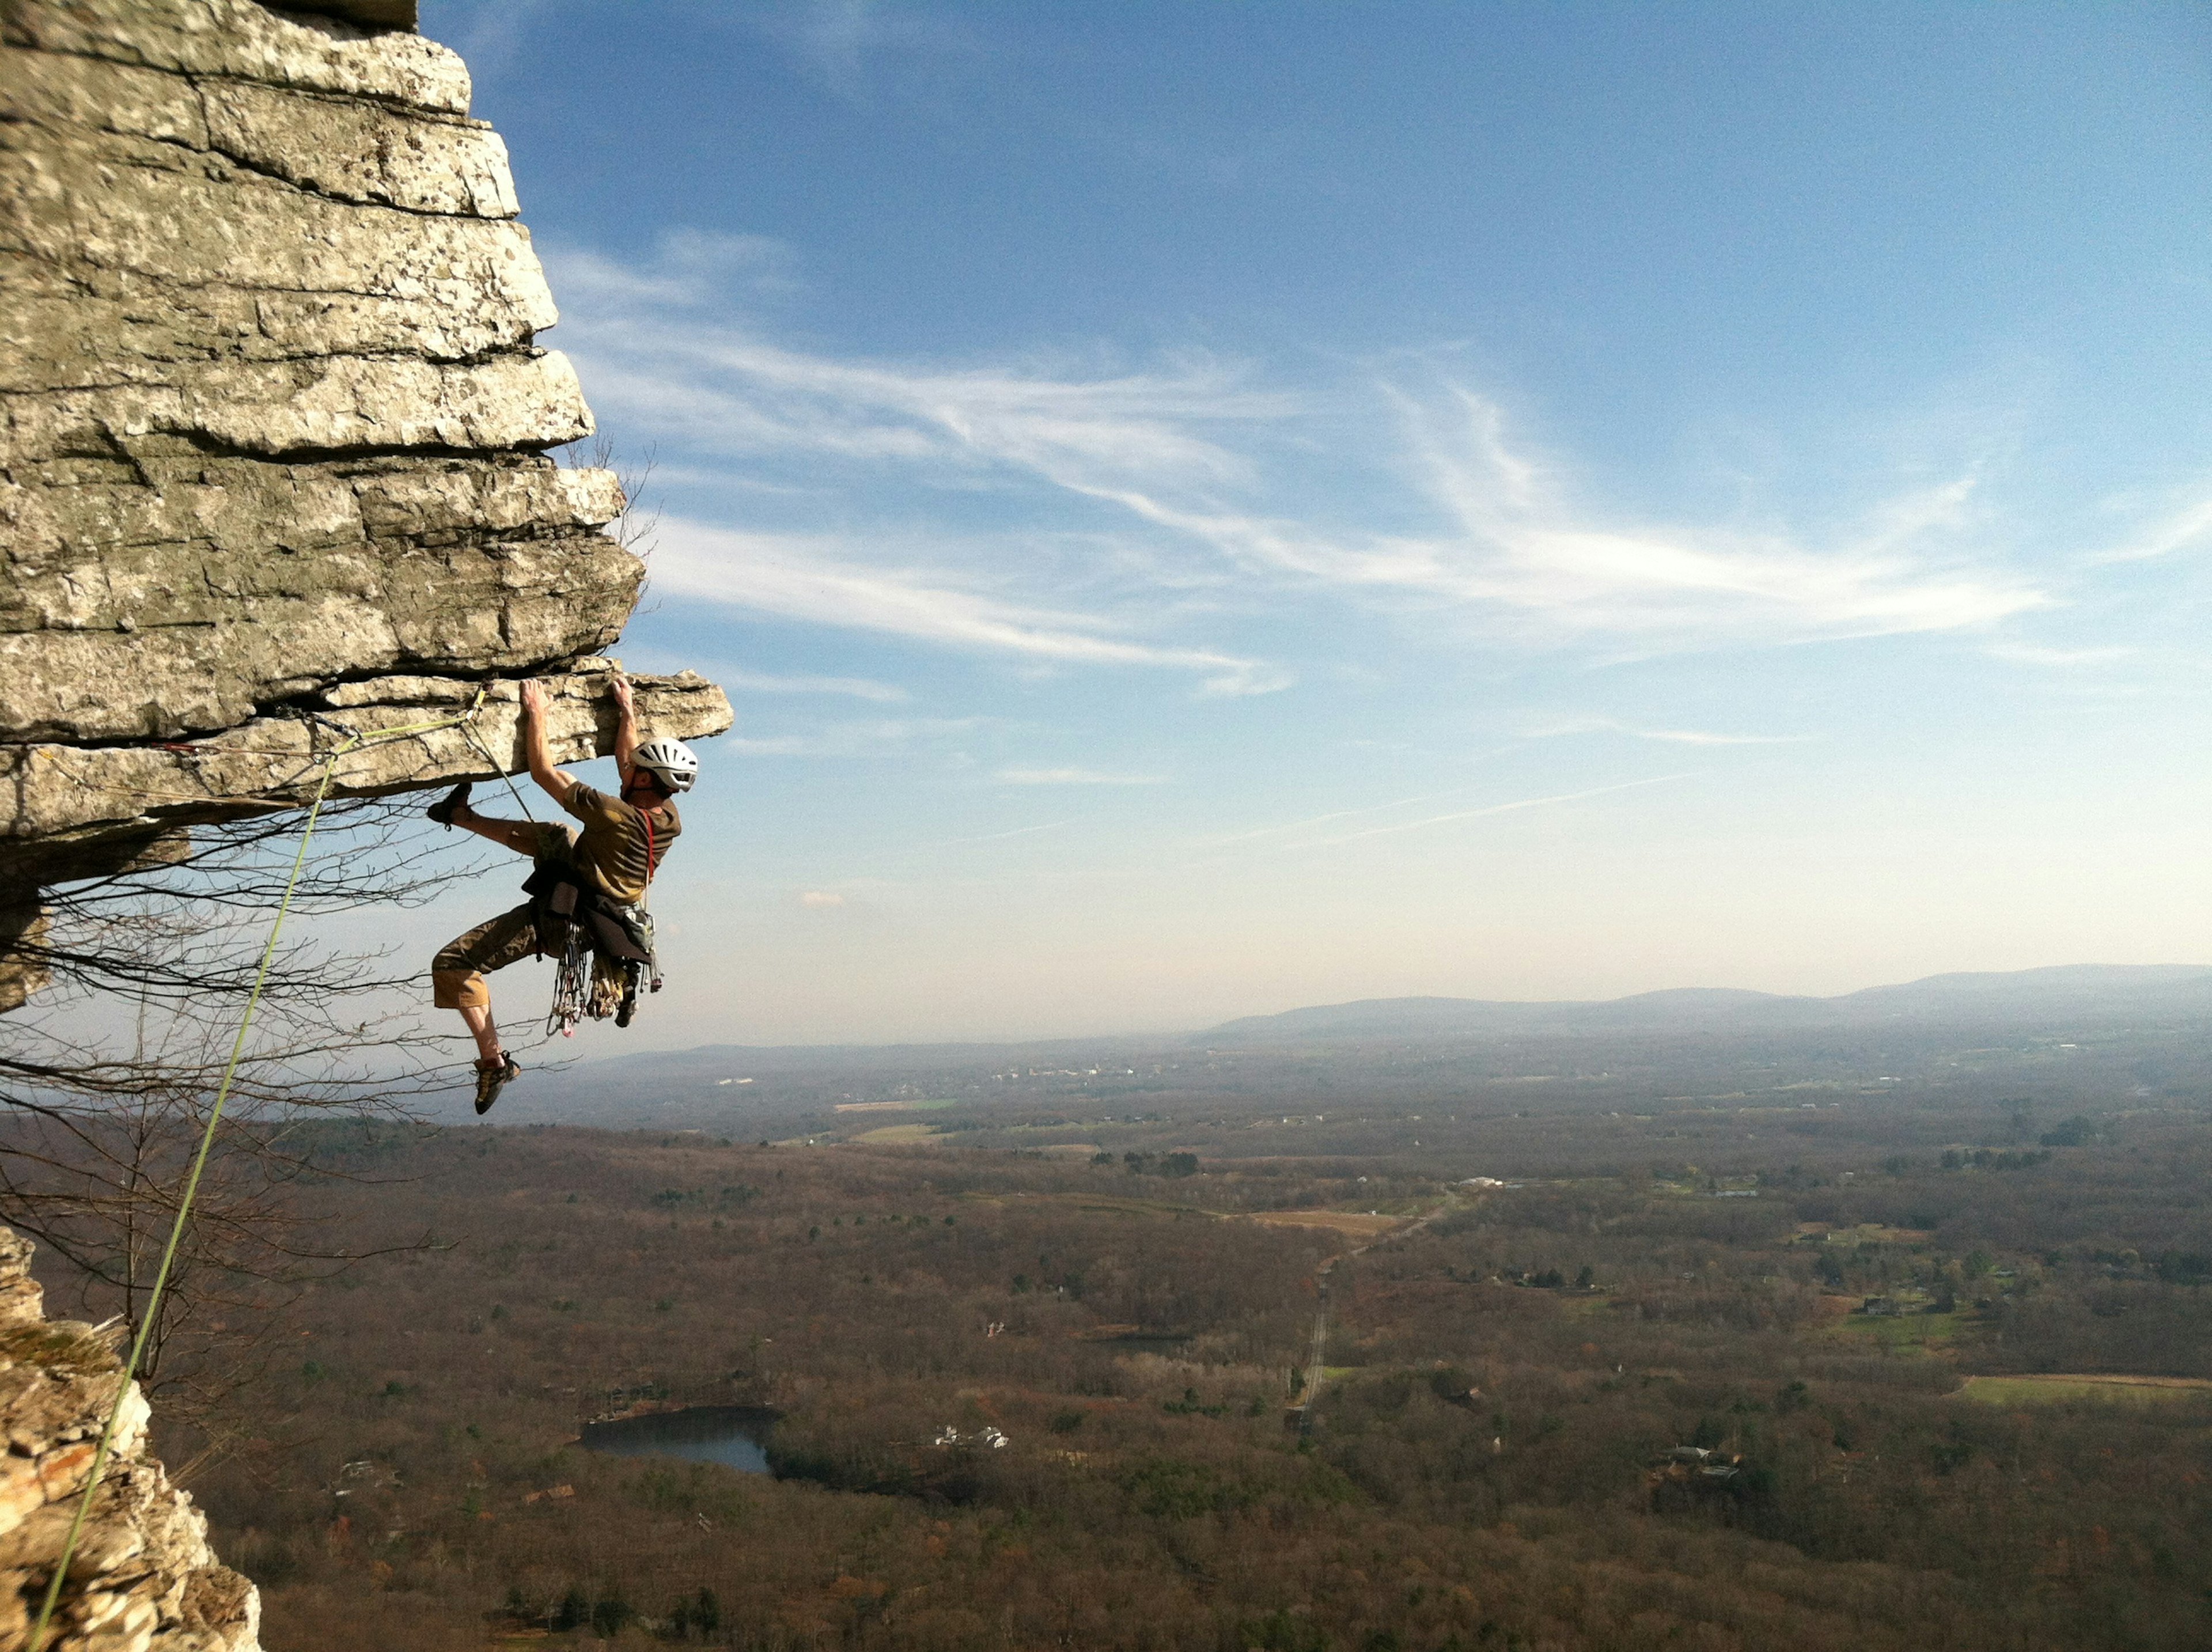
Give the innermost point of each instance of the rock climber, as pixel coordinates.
(614, 856)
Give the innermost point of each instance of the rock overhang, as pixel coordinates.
(276, 433)
(274, 483)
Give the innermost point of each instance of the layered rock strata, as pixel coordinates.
(274, 483)
(75, 806)
(143, 1578)
(274, 427)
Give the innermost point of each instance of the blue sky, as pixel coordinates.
(1204, 509)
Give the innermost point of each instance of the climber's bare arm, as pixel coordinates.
(560, 787)
(625, 728)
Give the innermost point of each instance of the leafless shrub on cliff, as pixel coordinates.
(109, 1081)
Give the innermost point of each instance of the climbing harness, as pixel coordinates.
(597, 928)
(355, 740)
(634, 973)
(593, 925)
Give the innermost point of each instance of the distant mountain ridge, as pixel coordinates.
(2097, 991)
(776, 1089)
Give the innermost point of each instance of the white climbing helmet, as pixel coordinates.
(669, 762)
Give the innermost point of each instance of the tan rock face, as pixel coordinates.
(273, 426)
(274, 485)
(71, 797)
(141, 1575)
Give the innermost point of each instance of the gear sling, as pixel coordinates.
(597, 928)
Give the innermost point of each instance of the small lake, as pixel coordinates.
(733, 1436)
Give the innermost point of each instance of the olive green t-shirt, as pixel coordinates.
(611, 848)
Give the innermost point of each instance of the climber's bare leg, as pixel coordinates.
(457, 982)
(481, 1028)
(519, 835)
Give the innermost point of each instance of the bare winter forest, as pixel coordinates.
(1749, 1371)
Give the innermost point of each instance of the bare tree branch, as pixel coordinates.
(98, 1129)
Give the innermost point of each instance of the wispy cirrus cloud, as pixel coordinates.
(859, 688)
(852, 739)
(1070, 428)
(802, 578)
(1293, 834)
(688, 267)
(1289, 826)
(851, 44)
(1192, 473)
(1073, 777)
(2029, 653)
(994, 837)
(1514, 550)
(2185, 528)
(1668, 736)
(1487, 811)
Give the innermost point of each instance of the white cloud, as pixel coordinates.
(801, 578)
(1521, 555)
(1670, 736)
(492, 37)
(2029, 653)
(850, 739)
(1073, 777)
(1189, 474)
(1484, 813)
(1335, 814)
(688, 267)
(994, 837)
(816, 897)
(1070, 427)
(848, 43)
(2181, 529)
(859, 688)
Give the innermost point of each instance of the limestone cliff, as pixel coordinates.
(273, 471)
(143, 1575)
(274, 453)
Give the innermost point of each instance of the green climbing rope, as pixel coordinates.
(354, 741)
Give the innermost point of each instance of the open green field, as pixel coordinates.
(1863, 1233)
(896, 1132)
(1113, 1203)
(1904, 1333)
(2114, 1390)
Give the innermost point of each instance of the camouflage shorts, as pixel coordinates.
(457, 974)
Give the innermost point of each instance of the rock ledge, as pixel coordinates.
(143, 1576)
(276, 432)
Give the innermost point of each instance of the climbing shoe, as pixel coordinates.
(443, 811)
(493, 1077)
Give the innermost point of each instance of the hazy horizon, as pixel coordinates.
(1132, 1035)
(1201, 514)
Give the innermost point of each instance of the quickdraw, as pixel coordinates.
(597, 928)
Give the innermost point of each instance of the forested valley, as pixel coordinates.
(1883, 1371)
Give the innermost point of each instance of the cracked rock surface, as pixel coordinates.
(274, 426)
(72, 800)
(275, 495)
(143, 1576)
